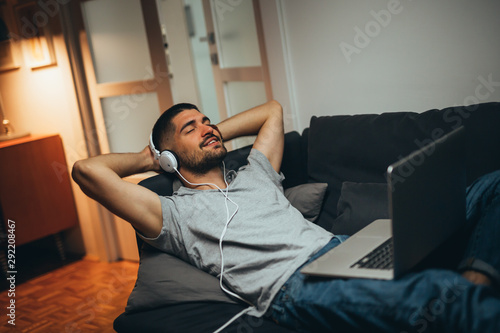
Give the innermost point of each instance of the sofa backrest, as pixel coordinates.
(359, 148)
(294, 165)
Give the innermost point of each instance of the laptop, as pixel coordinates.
(426, 192)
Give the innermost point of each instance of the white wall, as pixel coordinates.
(348, 57)
(279, 64)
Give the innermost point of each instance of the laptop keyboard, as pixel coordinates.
(378, 258)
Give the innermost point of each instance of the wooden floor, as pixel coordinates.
(84, 296)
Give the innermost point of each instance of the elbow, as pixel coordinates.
(276, 109)
(76, 171)
(276, 106)
(84, 175)
(80, 172)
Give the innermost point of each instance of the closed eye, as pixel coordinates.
(192, 125)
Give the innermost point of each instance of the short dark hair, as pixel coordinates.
(164, 128)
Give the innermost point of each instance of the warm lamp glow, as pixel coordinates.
(37, 51)
(6, 130)
(36, 36)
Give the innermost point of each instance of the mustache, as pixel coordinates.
(212, 136)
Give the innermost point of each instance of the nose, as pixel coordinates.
(207, 130)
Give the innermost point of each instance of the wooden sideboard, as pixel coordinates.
(35, 188)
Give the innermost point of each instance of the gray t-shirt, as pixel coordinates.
(266, 241)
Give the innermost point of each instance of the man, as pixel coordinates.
(230, 225)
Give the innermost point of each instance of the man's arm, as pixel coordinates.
(266, 121)
(100, 178)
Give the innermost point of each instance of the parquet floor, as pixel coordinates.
(84, 296)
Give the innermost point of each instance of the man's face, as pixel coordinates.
(198, 145)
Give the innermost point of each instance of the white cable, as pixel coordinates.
(236, 316)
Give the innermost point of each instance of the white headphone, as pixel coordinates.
(167, 158)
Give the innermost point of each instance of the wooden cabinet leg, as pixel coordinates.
(60, 246)
(3, 262)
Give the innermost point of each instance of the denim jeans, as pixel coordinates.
(433, 300)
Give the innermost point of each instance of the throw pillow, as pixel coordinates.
(307, 198)
(360, 204)
(164, 279)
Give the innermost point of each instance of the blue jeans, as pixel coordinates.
(434, 300)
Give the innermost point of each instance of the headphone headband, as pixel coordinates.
(153, 148)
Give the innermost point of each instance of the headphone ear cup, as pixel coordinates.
(168, 161)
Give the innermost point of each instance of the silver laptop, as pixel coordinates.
(426, 206)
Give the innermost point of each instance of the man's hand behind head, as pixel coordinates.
(153, 164)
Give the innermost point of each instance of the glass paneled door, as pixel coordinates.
(126, 69)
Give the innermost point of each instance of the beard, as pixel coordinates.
(200, 164)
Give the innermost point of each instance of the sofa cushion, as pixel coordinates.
(293, 166)
(163, 280)
(360, 204)
(359, 148)
(307, 198)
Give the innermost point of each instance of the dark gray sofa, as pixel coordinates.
(351, 154)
